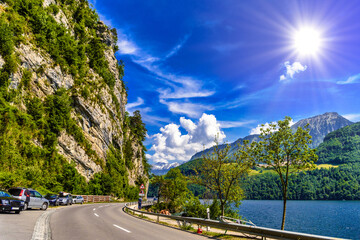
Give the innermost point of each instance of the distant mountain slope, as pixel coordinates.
(233, 146)
(319, 125)
(163, 168)
(341, 146)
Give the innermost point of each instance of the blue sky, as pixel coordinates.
(200, 68)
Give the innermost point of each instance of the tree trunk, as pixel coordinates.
(284, 212)
(222, 207)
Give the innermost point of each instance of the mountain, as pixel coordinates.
(341, 146)
(233, 146)
(163, 168)
(319, 125)
(63, 123)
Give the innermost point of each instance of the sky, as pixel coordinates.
(200, 69)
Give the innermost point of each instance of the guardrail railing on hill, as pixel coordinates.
(96, 198)
(252, 230)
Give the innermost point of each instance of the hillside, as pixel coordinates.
(341, 146)
(63, 124)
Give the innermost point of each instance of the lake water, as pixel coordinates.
(329, 218)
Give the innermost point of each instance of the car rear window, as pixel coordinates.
(4, 194)
(15, 192)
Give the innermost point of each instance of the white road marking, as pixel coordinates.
(42, 227)
(121, 228)
(107, 205)
(100, 206)
(94, 209)
(96, 215)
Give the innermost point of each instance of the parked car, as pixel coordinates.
(53, 199)
(65, 198)
(78, 199)
(9, 203)
(31, 198)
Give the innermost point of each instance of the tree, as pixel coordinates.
(284, 151)
(222, 173)
(174, 189)
(157, 182)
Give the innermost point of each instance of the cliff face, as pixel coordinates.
(79, 60)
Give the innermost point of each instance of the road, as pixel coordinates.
(108, 221)
(18, 226)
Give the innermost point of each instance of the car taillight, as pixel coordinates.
(21, 193)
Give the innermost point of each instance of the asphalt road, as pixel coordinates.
(108, 221)
(18, 226)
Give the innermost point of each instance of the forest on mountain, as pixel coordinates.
(339, 179)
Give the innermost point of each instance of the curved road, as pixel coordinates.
(108, 221)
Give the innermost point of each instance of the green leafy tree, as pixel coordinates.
(285, 152)
(174, 189)
(222, 173)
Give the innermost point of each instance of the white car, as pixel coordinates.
(78, 199)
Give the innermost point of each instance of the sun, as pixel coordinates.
(307, 41)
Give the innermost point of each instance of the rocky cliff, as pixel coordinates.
(62, 49)
(323, 124)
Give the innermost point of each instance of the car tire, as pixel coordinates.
(44, 206)
(17, 212)
(26, 206)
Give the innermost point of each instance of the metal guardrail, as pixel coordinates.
(252, 230)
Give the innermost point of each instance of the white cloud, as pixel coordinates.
(170, 144)
(130, 106)
(350, 80)
(126, 47)
(355, 117)
(177, 47)
(179, 86)
(265, 126)
(233, 124)
(291, 70)
(189, 109)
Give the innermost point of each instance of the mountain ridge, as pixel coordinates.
(320, 126)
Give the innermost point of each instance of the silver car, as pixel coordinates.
(78, 199)
(65, 199)
(32, 198)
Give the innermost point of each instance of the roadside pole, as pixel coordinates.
(208, 217)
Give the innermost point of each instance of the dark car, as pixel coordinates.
(53, 199)
(9, 203)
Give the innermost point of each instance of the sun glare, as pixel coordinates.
(307, 41)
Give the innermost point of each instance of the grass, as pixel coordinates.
(326, 166)
(262, 171)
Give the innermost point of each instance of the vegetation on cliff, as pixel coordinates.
(70, 33)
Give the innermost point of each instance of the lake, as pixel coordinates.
(329, 218)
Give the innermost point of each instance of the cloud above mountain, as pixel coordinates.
(292, 69)
(257, 130)
(172, 145)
